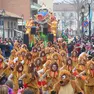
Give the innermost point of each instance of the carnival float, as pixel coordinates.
(41, 26)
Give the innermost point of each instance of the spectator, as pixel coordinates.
(3, 89)
(9, 83)
(7, 51)
(83, 49)
(10, 40)
(28, 91)
(70, 48)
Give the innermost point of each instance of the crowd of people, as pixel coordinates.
(58, 68)
(6, 45)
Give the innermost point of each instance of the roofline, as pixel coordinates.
(10, 17)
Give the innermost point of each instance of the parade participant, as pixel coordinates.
(12, 56)
(6, 73)
(16, 45)
(60, 42)
(24, 46)
(65, 85)
(49, 44)
(83, 56)
(2, 63)
(23, 53)
(52, 50)
(46, 66)
(63, 56)
(30, 78)
(56, 57)
(38, 48)
(17, 57)
(69, 65)
(50, 77)
(38, 63)
(79, 72)
(74, 56)
(28, 61)
(34, 53)
(28, 58)
(64, 46)
(43, 56)
(10, 73)
(53, 26)
(42, 46)
(15, 75)
(47, 52)
(89, 79)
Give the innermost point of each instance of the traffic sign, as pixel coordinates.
(85, 23)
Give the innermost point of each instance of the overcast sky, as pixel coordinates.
(58, 0)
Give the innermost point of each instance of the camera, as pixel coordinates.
(20, 82)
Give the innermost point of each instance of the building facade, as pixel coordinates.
(67, 15)
(20, 7)
(47, 3)
(0, 4)
(8, 24)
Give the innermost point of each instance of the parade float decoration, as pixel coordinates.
(45, 23)
(29, 25)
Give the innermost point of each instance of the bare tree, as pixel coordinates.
(77, 5)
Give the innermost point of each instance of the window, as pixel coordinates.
(59, 14)
(71, 14)
(8, 33)
(15, 25)
(8, 24)
(35, 1)
(62, 14)
(11, 24)
(54, 14)
(1, 22)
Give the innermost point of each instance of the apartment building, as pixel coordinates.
(27, 8)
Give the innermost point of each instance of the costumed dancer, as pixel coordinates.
(65, 85)
(50, 77)
(74, 56)
(89, 79)
(63, 56)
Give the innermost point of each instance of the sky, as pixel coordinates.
(58, 1)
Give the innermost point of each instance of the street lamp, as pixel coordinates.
(3, 15)
(82, 12)
(89, 7)
(22, 16)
